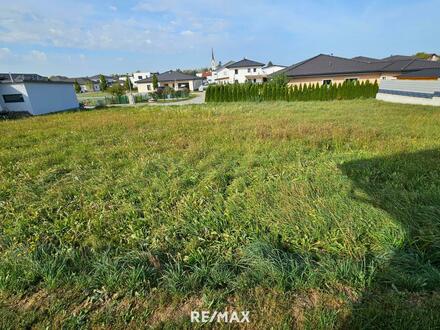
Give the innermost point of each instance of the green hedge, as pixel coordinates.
(275, 92)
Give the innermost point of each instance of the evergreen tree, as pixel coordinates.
(295, 93)
(236, 92)
(77, 87)
(127, 84)
(102, 83)
(375, 89)
(305, 92)
(155, 82)
(216, 94)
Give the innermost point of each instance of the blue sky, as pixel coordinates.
(85, 37)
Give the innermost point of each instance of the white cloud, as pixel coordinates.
(113, 8)
(156, 6)
(187, 33)
(37, 55)
(4, 53)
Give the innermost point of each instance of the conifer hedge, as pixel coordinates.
(304, 92)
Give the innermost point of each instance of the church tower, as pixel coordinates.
(213, 62)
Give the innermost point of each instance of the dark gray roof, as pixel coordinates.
(244, 63)
(365, 59)
(19, 77)
(224, 65)
(397, 57)
(80, 80)
(409, 65)
(323, 65)
(62, 79)
(170, 76)
(269, 64)
(425, 73)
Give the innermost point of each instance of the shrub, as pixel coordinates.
(116, 90)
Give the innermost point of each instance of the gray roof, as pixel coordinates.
(20, 77)
(5, 78)
(327, 65)
(397, 57)
(365, 59)
(61, 78)
(170, 76)
(425, 73)
(409, 65)
(270, 64)
(224, 65)
(96, 77)
(244, 63)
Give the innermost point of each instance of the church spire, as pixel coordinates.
(213, 63)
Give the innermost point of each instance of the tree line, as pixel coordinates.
(116, 88)
(281, 92)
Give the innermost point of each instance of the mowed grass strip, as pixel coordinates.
(307, 214)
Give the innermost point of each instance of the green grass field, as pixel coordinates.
(312, 215)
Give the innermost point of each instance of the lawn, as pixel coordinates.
(312, 215)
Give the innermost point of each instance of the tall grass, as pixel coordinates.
(308, 214)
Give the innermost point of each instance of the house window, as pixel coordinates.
(249, 70)
(148, 87)
(236, 71)
(13, 98)
(255, 69)
(327, 82)
(352, 80)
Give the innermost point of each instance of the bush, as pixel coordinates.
(280, 92)
(116, 90)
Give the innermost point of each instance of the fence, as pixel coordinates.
(426, 92)
(106, 100)
(138, 98)
(276, 92)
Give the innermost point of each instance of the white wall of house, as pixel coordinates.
(272, 69)
(139, 76)
(221, 76)
(242, 75)
(425, 92)
(86, 88)
(18, 88)
(145, 88)
(40, 98)
(255, 74)
(192, 85)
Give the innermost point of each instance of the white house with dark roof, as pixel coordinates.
(35, 94)
(245, 71)
(174, 79)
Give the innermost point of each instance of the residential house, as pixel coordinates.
(245, 71)
(35, 94)
(136, 76)
(174, 79)
(433, 57)
(221, 74)
(328, 69)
